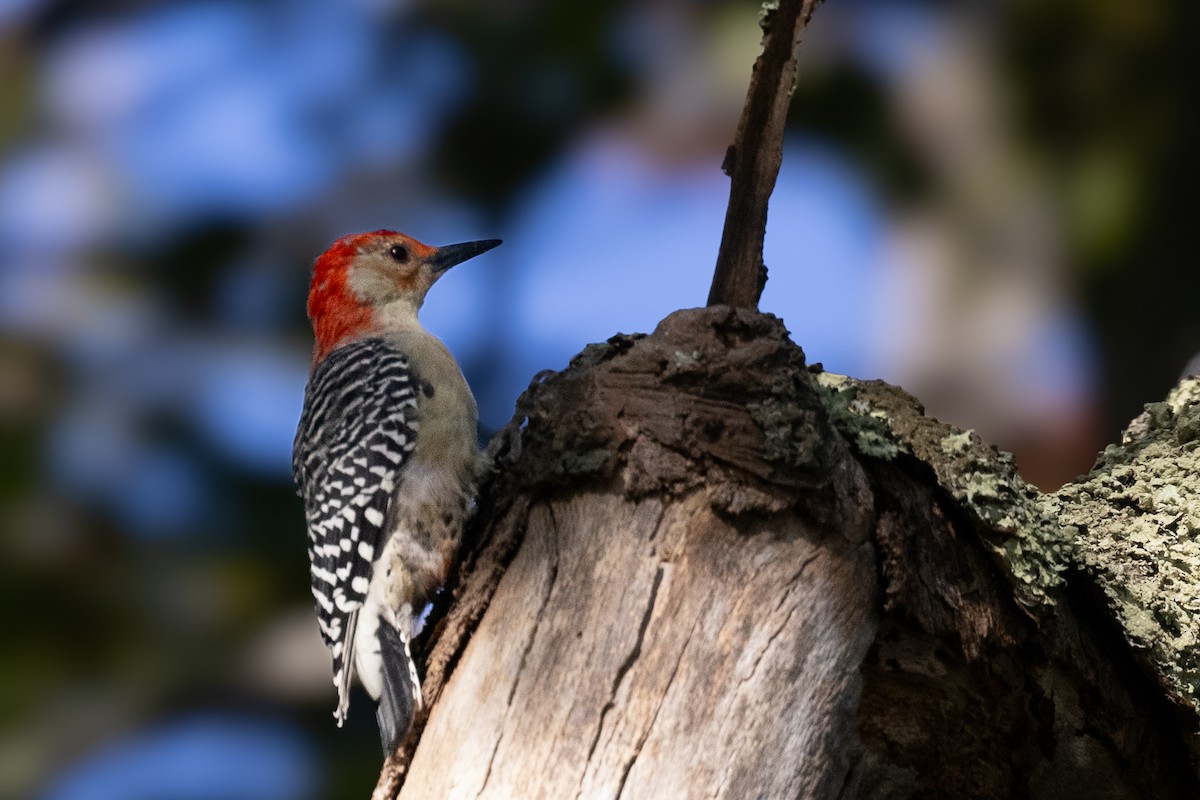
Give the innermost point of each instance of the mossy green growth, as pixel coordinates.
(1136, 519)
(1031, 543)
(1133, 523)
(866, 428)
(885, 422)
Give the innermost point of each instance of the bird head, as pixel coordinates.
(368, 283)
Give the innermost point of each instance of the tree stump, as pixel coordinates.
(701, 568)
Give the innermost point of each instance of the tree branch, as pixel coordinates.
(752, 162)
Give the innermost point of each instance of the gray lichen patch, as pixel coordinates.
(788, 431)
(1137, 523)
(956, 443)
(883, 421)
(865, 427)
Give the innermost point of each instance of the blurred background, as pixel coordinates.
(988, 203)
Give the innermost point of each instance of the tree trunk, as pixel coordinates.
(702, 569)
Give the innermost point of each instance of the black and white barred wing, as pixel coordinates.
(357, 430)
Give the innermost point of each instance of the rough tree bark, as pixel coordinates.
(701, 568)
(706, 570)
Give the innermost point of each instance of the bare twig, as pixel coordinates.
(752, 162)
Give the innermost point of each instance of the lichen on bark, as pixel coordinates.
(885, 422)
(1135, 525)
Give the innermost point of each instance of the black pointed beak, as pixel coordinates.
(446, 257)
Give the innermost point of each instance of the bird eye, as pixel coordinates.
(399, 253)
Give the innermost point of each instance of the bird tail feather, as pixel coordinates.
(344, 669)
(401, 694)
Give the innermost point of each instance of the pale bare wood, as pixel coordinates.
(662, 660)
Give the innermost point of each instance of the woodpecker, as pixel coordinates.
(384, 459)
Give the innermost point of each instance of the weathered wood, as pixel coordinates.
(701, 570)
(649, 621)
(876, 606)
(638, 609)
(752, 161)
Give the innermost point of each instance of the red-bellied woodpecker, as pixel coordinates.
(384, 459)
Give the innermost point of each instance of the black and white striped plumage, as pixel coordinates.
(357, 431)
